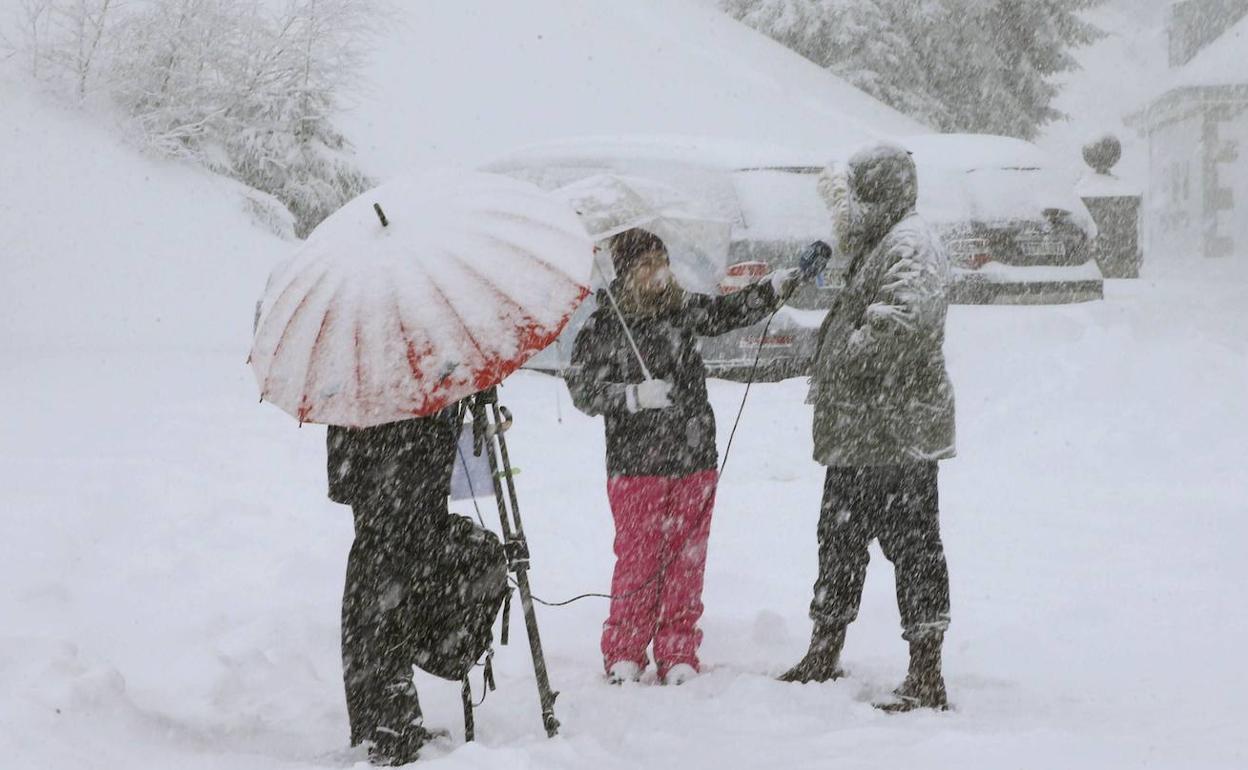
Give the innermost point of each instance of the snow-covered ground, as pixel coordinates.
(171, 568)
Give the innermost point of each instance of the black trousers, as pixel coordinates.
(898, 505)
(376, 661)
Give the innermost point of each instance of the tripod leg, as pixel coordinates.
(544, 691)
(469, 721)
(517, 548)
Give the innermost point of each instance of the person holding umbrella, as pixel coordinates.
(396, 477)
(386, 325)
(635, 362)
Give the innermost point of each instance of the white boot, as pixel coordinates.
(679, 674)
(623, 671)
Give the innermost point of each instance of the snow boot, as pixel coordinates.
(623, 671)
(400, 744)
(679, 674)
(394, 749)
(924, 687)
(822, 662)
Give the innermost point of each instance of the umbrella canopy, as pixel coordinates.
(697, 240)
(469, 275)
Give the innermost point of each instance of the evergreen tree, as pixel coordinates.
(958, 65)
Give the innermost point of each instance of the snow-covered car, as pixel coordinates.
(1014, 227)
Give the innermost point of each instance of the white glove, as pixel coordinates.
(651, 394)
(782, 281)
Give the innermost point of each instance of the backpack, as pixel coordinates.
(457, 593)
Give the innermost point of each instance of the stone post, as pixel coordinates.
(1115, 207)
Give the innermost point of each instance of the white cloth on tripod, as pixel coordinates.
(471, 475)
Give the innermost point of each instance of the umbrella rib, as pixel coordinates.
(316, 345)
(359, 372)
(492, 287)
(451, 307)
(512, 216)
(280, 347)
(532, 257)
(531, 224)
(294, 279)
(409, 345)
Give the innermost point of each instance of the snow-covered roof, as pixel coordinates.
(1221, 64)
(465, 81)
(1224, 62)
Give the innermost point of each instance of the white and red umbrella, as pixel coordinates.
(417, 294)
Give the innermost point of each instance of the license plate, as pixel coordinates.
(770, 341)
(1042, 247)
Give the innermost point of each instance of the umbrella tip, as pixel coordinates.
(381, 215)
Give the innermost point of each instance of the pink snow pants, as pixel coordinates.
(661, 528)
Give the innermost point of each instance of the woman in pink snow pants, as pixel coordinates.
(660, 435)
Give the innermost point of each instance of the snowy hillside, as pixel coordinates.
(105, 249)
(466, 80)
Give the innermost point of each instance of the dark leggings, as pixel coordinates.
(376, 663)
(898, 505)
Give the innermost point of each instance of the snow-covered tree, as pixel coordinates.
(248, 89)
(958, 65)
(64, 39)
(1034, 39)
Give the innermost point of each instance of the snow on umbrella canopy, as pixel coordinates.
(470, 276)
(697, 240)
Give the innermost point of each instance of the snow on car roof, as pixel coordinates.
(718, 153)
(972, 151)
(991, 178)
(772, 192)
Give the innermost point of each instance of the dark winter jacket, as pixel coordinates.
(404, 464)
(679, 440)
(879, 386)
